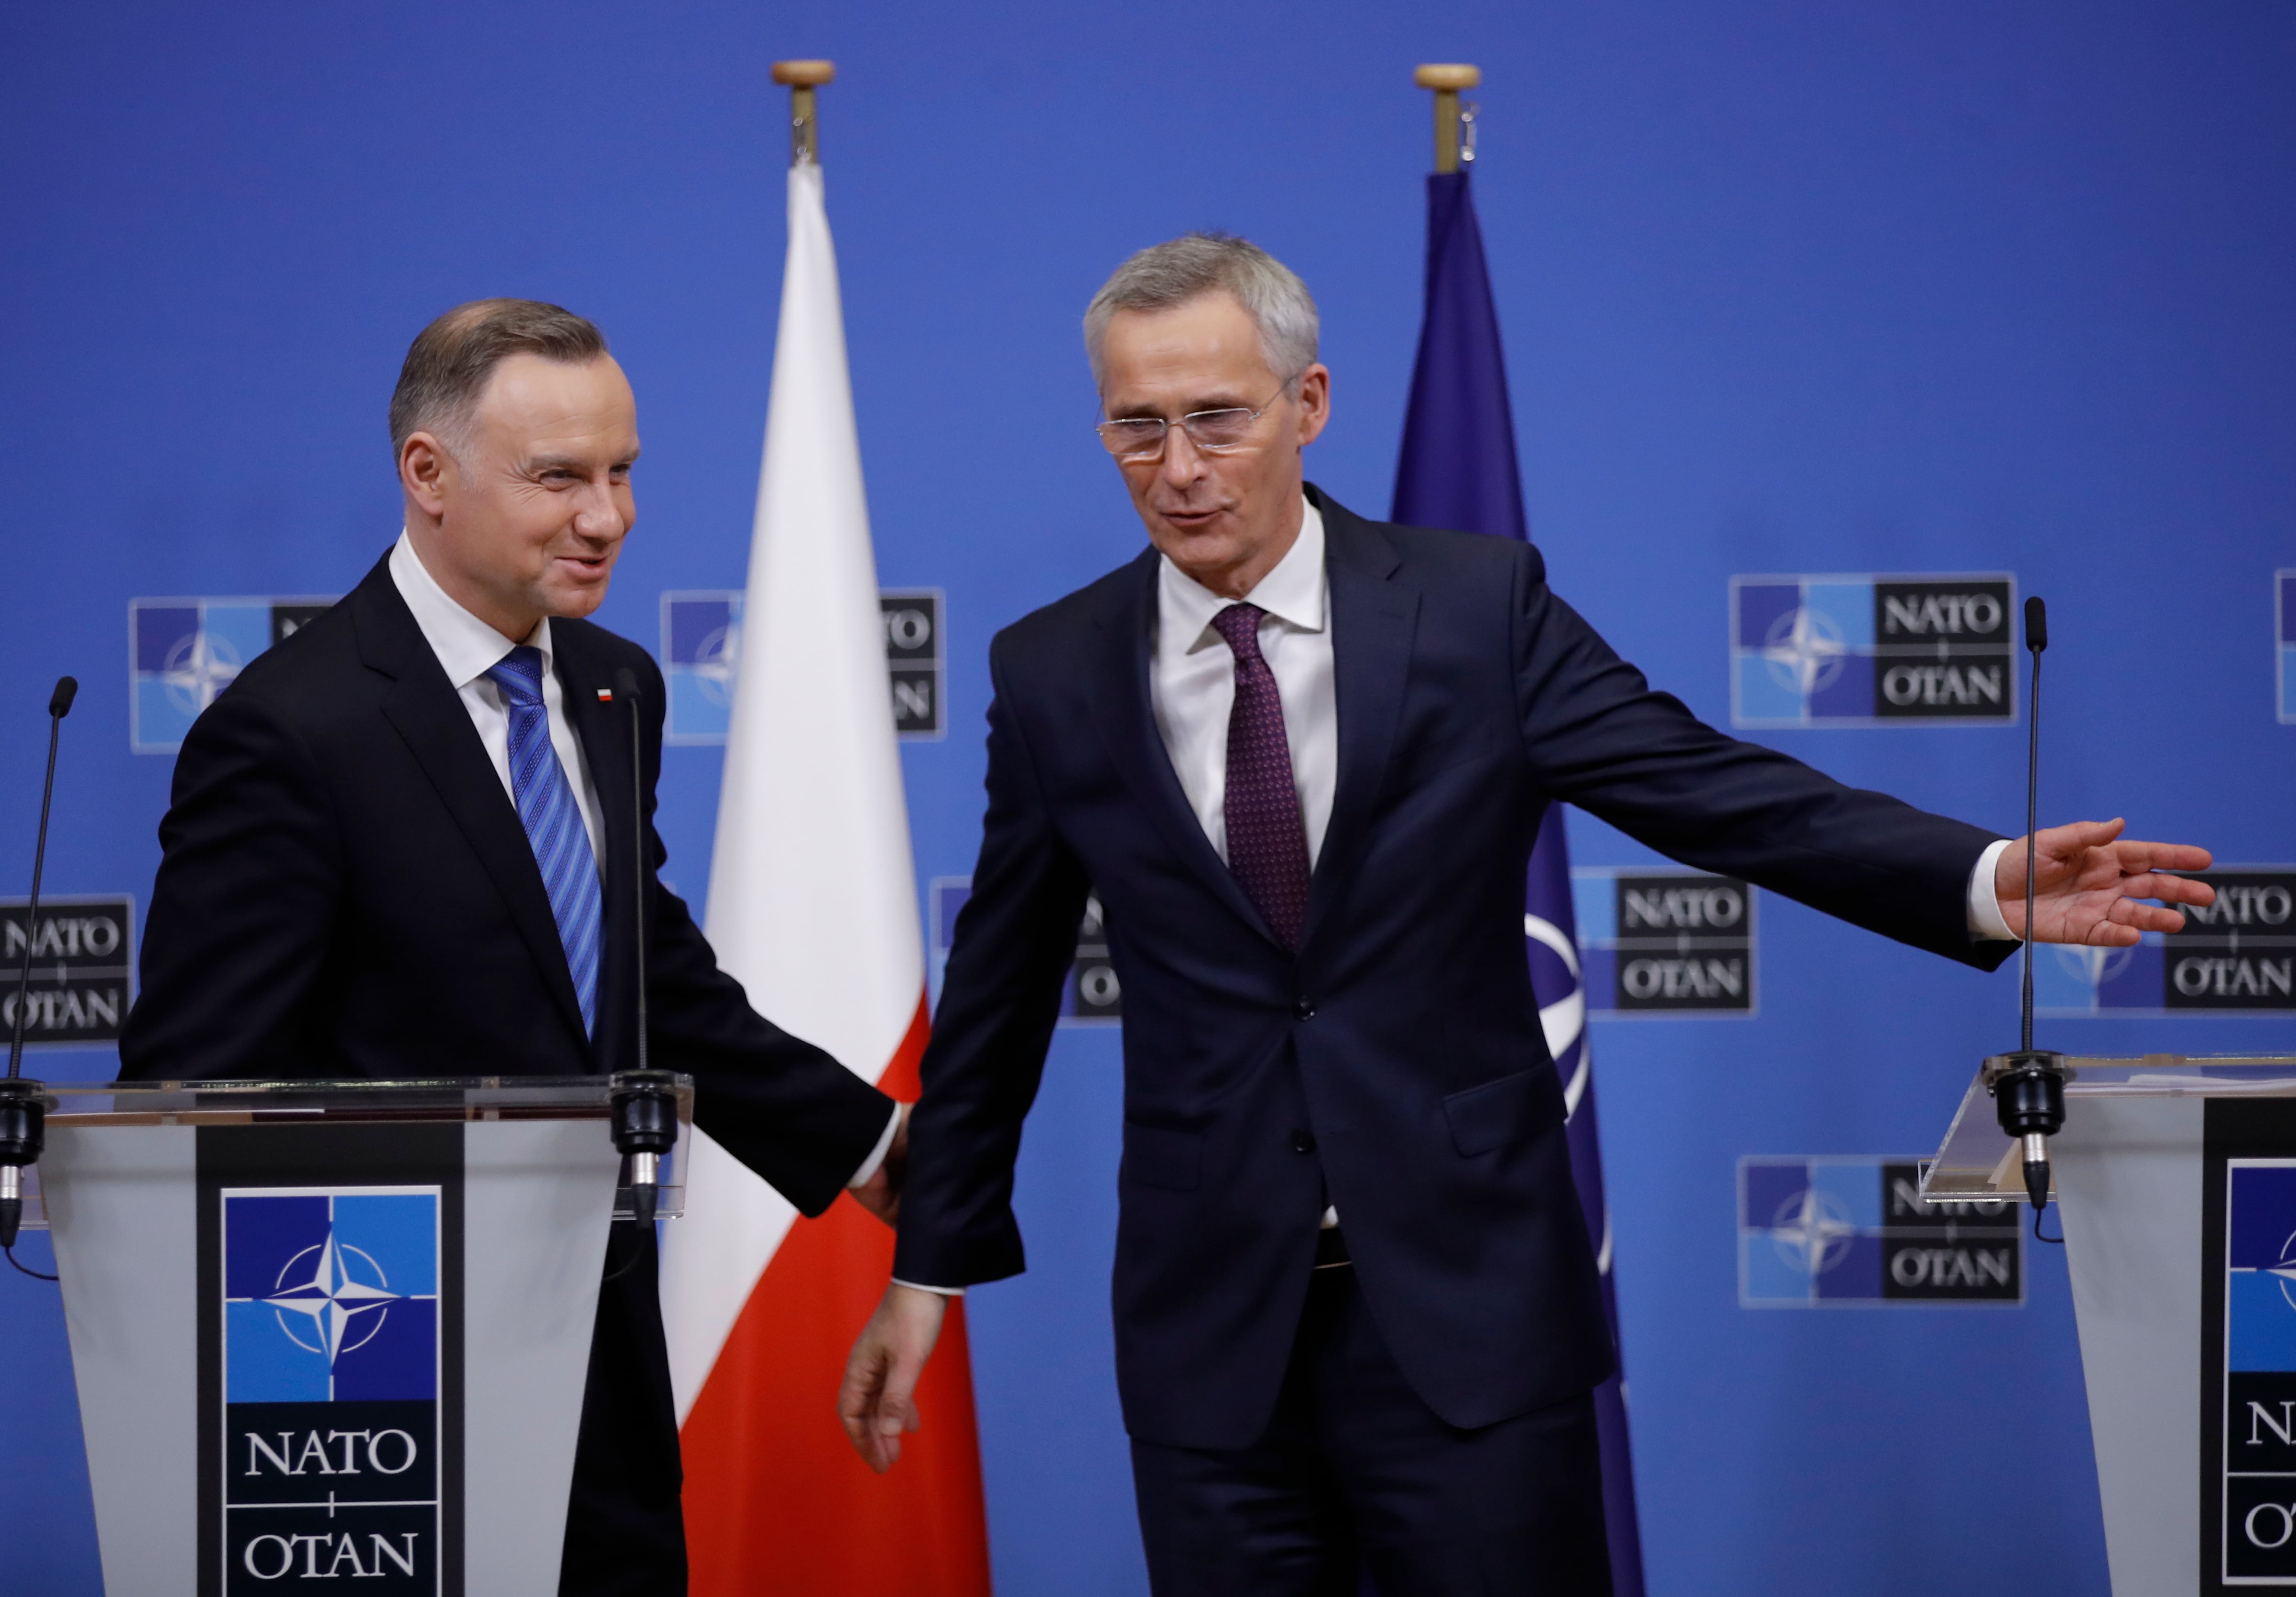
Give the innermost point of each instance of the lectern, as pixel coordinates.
(2176, 1179)
(333, 1330)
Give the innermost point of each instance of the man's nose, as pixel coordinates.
(599, 513)
(1184, 463)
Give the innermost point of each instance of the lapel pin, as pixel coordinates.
(605, 695)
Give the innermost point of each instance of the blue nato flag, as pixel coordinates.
(1458, 471)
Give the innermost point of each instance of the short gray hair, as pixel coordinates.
(451, 360)
(1195, 264)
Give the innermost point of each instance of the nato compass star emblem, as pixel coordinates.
(198, 668)
(339, 1294)
(1805, 649)
(1813, 1231)
(2284, 1271)
(717, 659)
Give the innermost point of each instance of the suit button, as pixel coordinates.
(1304, 1007)
(1303, 1142)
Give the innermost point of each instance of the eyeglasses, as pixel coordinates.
(1214, 431)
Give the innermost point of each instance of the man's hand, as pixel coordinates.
(2087, 883)
(881, 1194)
(875, 1403)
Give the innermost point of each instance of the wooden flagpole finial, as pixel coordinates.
(1446, 79)
(803, 77)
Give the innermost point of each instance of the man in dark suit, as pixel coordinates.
(402, 843)
(1301, 759)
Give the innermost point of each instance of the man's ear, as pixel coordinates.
(424, 469)
(1315, 402)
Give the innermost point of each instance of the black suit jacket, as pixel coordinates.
(345, 890)
(1396, 1065)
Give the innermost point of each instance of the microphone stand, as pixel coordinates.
(23, 1106)
(2028, 1085)
(644, 1105)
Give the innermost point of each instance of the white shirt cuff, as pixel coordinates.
(918, 1286)
(877, 1154)
(1985, 921)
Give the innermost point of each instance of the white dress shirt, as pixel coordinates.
(467, 648)
(1192, 682)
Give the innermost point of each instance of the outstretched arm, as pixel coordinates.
(2090, 883)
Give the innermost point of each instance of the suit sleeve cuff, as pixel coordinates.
(1986, 924)
(920, 1286)
(870, 1166)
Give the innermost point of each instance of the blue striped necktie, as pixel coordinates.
(553, 822)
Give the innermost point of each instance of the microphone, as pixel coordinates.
(23, 1107)
(646, 1108)
(2028, 1085)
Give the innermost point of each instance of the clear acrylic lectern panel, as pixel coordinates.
(334, 1330)
(477, 1098)
(1979, 1161)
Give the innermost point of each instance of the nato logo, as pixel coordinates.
(2284, 633)
(1091, 996)
(2256, 1531)
(1664, 942)
(700, 648)
(330, 1297)
(1852, 1232)
(1872, 651)
(701, 654)
(2237, 956)
(331, 1379)
(184, 652)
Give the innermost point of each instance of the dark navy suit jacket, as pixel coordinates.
(1395, 1065)
(345, 890)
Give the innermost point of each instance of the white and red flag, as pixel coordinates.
(813, 909)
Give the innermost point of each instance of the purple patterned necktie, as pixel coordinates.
(1266, 841)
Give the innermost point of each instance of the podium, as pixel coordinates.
(2176, 1179)
(333, 1330)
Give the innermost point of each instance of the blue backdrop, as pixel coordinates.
(1787, 288)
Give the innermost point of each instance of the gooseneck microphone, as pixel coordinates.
(2028, 1085)
(645, 1108)
(23, 1107)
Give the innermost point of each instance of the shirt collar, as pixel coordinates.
(1293, 593)
(467, 647)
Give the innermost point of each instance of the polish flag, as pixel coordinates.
(813, 908)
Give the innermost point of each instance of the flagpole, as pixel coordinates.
(813, 910)
(803, 77)
(1446, 79)
(1458, 469)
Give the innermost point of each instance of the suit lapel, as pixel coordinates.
(1372, 620)
(429, 716)
(1127, 719)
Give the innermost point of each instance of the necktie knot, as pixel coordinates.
(1239, 623)
(519, 675)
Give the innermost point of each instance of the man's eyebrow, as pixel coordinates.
(1145, 412)
(541, 464)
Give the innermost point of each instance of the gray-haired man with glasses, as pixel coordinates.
(1301, 759)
